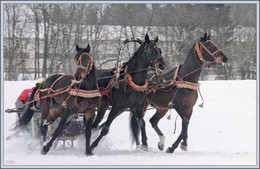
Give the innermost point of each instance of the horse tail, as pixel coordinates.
(135, 128)
(29, 112)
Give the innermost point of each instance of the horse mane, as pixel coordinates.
(132, 60)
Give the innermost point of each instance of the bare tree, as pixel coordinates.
(57, 28)
(15, 43)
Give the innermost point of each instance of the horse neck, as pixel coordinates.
(191, 68)
(136, 65)
(104, 76)
(89, 82)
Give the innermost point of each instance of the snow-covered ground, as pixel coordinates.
(223, 133)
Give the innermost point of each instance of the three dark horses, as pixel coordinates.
(178, 91)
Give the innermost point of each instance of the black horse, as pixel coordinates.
(132, 84)
(106, 81)
(65, 96)
(178, 91)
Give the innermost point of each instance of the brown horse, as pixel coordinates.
(178, 91)
(65, 96)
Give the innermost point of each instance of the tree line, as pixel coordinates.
(40, 38)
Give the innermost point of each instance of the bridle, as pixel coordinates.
(198, 49)
(147, 61)
(88, 67)
(201, 45)
(145, 55)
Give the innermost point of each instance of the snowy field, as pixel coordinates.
(222, 134)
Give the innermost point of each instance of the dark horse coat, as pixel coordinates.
(65, 96)
(132, 84)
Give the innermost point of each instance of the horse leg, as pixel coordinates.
(45, 112)
(140, 111)
(43, 130)
(100, 114)
(183, 134)
(57, 131)
(88, 119)
(134, 126)
(112, 115)
(50, 112)
(143, 134)
(154, 122)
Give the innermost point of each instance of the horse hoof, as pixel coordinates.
(169, 150)
(89, 154)
(44, 150)
(160, 146)
(92, 147)
(144, 147)
(184, 147)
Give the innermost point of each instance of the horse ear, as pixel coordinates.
(147, 39)
(77, 48)
(88, 48)
(208, 37)
(156, 39)
(205, 36)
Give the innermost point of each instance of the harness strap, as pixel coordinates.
(134, 86)
(85, 93)
(176, 73)
(198, 50)
(187, 85)
(38, 97)
(50, 89)
(178, 83)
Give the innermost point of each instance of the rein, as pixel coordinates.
(139, 70)
(202, 45)
(198, 50)
(90, 63)
(87, 68)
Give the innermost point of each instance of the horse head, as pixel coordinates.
(84, 61)
(152, 54)
(208, 51)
